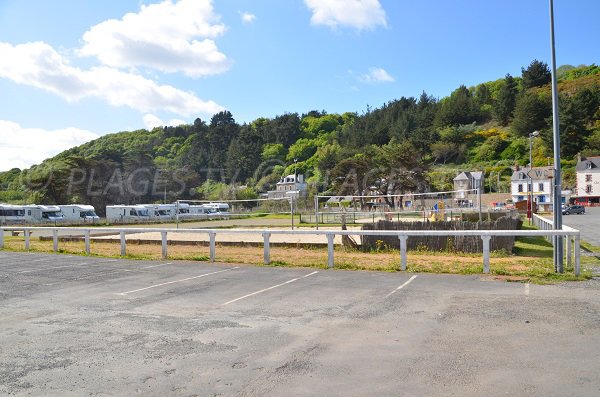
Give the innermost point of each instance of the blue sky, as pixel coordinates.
(73, 70)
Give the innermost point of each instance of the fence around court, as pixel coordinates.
(571, 235)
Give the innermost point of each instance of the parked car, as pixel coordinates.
(574, 209)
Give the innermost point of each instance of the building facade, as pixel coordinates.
(587, 191)
(465, 185)
(289, 184)
(540, 186)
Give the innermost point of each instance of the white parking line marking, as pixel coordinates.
(402, 286)
(526, 289)
(90, 275)
(46, 268)
(268, 289)
(177, 281)
(153, 266)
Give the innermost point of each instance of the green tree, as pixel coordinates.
(506, 100)
(578, 115)
(222, 131)
(244, 155)
(537, 74)
(273, 151)
(458, 108)
(531, 114)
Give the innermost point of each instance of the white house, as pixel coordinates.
(587, 191)
(290, 183)
(540, 185)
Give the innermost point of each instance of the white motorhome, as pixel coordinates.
(199, 212)
(79, 213)
(181, 210)
(12, 214)
(35, 213)
(220, 210)
(161, 211)
(127, 213)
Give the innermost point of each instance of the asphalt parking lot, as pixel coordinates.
(588, 224)
(74, 325)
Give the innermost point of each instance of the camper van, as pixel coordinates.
(10, 214)
(161, 211)
(35, 213)
(127, 213)
(200, 212)
(218, 210)
(79, 213)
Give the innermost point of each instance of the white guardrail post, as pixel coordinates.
(163, 237)
(86, 237)
(267, 248)
(330, 238)
(486, 253)
(569, 250)
(577, 269)
(26, 233)
(123, 243)
(213, 246)
(55, 240)
(403, 258)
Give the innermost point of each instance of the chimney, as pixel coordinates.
(578, 157)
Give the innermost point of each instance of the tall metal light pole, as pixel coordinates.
(530, 187)
(556, 207)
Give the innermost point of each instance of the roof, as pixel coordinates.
(588, 164)
(291, 177)
(467, 175)
(521, 174)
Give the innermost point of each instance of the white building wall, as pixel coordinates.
(582, 184)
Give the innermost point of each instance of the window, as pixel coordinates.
(588, 189)
(588, 178)
(520, 188)
(541, 187)
(132, 213)
(542, 199)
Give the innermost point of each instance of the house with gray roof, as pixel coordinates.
(466, 184)
(587, 191)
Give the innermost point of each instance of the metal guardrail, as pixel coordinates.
(572, 235)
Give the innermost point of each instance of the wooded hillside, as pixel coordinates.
(407, 144)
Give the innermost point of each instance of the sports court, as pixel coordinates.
(74, 325)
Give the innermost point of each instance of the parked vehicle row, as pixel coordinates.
(35, 213)
(80, 213)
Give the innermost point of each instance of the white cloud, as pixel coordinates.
(247, 17)
(377, 75)
(358, 14)
(151, 121)
(168, 36)
(39, 65)
(23, 147)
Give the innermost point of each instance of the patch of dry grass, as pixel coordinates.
(522, 267)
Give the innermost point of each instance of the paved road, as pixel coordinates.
(588, 224)
(77, 326)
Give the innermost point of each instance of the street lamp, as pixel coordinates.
(557, 213)
(530, 186)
